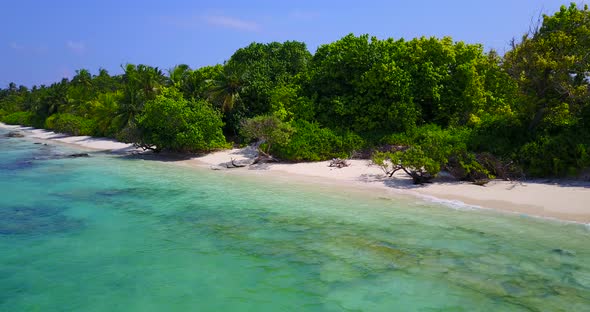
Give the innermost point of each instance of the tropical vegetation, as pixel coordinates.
(419, 105)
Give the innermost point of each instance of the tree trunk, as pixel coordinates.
(419, 177)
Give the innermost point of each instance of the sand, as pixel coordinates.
(562, 200)
(99, 144)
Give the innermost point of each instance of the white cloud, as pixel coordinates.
(77, 47)
(211, 19)
(232, 23)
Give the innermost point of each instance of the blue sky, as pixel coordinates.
(43, 41)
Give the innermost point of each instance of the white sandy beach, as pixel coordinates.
(101, 144)
(559, 200)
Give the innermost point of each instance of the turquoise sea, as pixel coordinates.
(109, 233)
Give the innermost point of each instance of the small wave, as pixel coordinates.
(451, 203)
(455, 204)
(459, 205)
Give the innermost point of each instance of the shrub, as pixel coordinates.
(426, 150)
(71, 124)
(498, 135)
(173, 123)
(310, 142)
(565, 154)
(268, 130)
(468, 167)
(20, 118)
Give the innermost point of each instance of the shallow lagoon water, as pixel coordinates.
(108, 233)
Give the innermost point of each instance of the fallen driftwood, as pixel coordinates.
(339, 163)
(233, 163)
(246, 162)
(481, 182)
(260, 158)
(264, 158)
(78, 155)
(237, 163)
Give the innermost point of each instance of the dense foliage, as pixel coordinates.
(312, 142)
(171, 122)
(425, 104)
(268, 130)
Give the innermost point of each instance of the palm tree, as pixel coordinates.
(12, 87)
(225, 90)
(178, 75)
(82, 77)
(54, 98)
(80, 93)
(141, 83)
(105, 108)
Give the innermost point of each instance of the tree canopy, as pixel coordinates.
(424, 104)
(174, 123)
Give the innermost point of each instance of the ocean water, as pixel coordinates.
(108, 233)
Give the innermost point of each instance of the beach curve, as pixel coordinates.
(554, 199)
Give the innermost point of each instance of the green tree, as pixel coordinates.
(265, 67)
(199, 82)
(141, 83)
(334, 71)
(551, 65)
(225, 90)
(57, 98)
(268, 130)
(179, 74)
(103, 82)
(310, 142)
(170, 122)
(104, 110)
(424, 151)
(80, 93)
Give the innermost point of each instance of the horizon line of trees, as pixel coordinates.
(420, 105)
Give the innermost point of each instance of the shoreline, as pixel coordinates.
(561, 200)
(558, 201)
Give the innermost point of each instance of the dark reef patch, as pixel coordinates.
(25, 220)
(20, 164)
